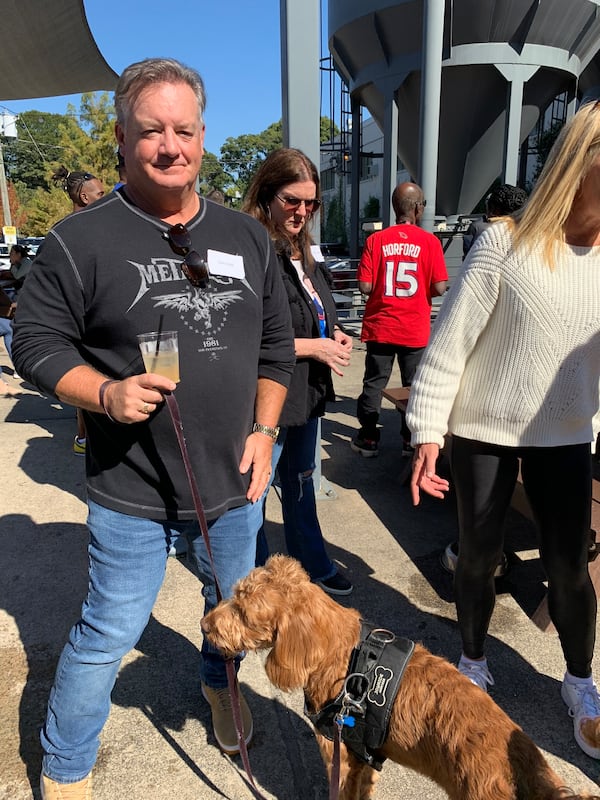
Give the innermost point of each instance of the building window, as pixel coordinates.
(328, 179)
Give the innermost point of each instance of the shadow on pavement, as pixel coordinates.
(44, 580)
(44, 457)
(164, 684)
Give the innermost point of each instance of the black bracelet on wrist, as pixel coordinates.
(101, 393)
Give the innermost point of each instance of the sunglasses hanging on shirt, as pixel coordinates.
(193, 266)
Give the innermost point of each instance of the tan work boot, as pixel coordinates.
(51, 790)
(219, 701)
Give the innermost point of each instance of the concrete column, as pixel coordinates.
(4, 191)
(355, 179)
(390, 155)
(572, 107)
(517, 76)
(431, 85)
(301, 114)
(300, 76)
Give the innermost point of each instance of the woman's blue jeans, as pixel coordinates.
(127, 561)
(294, 460)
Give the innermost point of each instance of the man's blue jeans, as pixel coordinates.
(127, 560)
(294, 460)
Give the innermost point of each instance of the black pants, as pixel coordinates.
(558, 484)
(379, 362)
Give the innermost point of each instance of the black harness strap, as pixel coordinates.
(364, 706)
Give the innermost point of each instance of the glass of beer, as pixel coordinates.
(160, 351)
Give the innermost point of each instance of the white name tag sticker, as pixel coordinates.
(316, 252)
(226, 264)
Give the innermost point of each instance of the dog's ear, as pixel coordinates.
(302, 639)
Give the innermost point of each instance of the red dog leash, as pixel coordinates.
(231, 678)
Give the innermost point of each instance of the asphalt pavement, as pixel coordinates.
(157, 742)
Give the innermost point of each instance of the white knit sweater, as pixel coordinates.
(514, 357)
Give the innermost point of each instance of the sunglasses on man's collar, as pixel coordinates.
(194, 267)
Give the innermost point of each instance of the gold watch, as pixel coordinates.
(273, 433)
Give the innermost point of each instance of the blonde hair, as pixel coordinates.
(542, 220)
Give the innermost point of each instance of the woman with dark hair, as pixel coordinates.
(283, 196)
(82, 187)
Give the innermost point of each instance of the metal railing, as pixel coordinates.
(350, 303)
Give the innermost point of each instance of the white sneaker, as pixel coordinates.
(584, 706)
(477, 672)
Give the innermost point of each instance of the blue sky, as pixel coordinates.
(234, 44)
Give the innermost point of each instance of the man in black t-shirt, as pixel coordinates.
(155, 256)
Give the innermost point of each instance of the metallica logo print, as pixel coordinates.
(203, 311)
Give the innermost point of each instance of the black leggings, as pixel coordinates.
(558, 484)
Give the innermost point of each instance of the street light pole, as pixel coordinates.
(8, 127)
(4, 191)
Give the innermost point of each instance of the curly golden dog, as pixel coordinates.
(441, 725)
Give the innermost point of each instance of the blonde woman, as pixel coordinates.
(512, 372)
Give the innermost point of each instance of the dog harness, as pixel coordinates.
(364, 706)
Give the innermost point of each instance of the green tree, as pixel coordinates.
(371, 208)
(88, 137)
(29, 157)
(41, 209)
(333, 228)
(242, 155)
(329, 130)
(212, 174)
(79, 140)
(545, 142)
(84, 140)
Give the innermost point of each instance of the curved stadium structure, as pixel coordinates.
(503, 63)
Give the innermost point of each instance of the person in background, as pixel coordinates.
(401, 269)
(283, 196)
(513, 373)
(83, 189)
(12, 279)
(11, 282)
(501, 201)
(7, 311)
(216, 195)
(122, 172)
(99, 281)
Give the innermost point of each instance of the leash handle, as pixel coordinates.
(173, 407)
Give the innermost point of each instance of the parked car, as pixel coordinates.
(4, 256)
(32, 244)
(343, 273)
(333, 250)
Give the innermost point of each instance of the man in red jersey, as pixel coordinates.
(401, 269)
